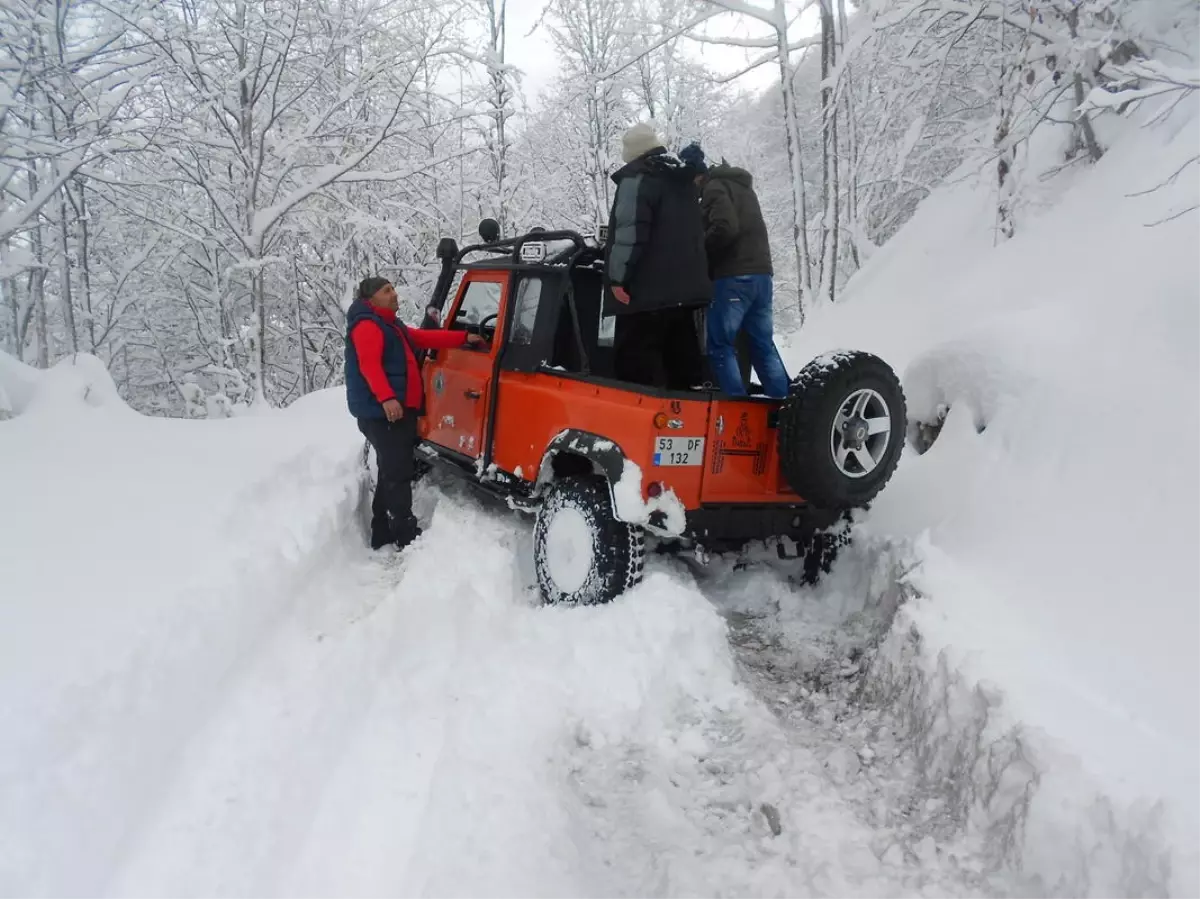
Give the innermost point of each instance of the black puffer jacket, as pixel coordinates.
(734, 232)
(656, 237)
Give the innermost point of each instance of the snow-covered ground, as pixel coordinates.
(209, 686)
(1056, 519)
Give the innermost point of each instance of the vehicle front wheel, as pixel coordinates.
(582, 553)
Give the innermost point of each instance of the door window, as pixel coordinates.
(529, 294)
(481, 300)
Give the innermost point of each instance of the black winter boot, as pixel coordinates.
(381, 533)
(406, 532)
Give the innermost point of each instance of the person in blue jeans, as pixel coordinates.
(739, 261)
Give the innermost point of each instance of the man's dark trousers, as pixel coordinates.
(659, 349)
(392, 519)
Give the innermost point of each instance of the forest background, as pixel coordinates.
(190, 189)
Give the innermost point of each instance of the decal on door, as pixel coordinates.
(742, 440)
(742, 437)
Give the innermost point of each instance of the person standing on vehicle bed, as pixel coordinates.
(386, 396)
(656, 270)
(739, 259)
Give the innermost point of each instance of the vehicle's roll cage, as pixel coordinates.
(580, 253)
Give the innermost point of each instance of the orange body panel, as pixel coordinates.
(456, 392)
(532, 409)
(742, 455)
(739, 464)
(457, 386)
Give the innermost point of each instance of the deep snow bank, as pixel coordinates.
(425, 728)
(211, 687)
(1057, 513)
(143, 559)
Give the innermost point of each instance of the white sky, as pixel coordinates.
(535, 55)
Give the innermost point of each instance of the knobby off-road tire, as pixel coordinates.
(582, 553)
(833, 449)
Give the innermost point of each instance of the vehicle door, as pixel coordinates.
(459, 382)
(741, 456)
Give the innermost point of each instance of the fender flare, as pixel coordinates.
(603, 453)
(609, 459)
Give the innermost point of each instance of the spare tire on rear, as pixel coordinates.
(841, 430)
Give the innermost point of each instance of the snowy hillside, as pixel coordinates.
(1055, 517)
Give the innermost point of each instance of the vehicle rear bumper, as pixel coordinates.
(715, 524)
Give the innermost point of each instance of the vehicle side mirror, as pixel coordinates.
(489, 230)
(447, 248)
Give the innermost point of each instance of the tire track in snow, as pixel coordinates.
(804, 651)
(255, 780)
(246, 783)
(326, 767)
(654, 811)
(421, 727)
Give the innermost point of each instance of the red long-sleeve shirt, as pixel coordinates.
(368, 344)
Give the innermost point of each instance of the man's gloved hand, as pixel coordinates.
(621, 294)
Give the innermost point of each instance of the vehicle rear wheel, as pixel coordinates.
(582, 553)
(841, 430)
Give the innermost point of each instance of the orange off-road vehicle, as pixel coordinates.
(537, 417)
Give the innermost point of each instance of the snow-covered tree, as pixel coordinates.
(68, 72)
(191, 189)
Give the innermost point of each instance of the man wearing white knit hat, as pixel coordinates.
(637, 141)
(657, 270)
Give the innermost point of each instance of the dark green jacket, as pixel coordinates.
(735, 234)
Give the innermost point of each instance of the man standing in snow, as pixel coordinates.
(656, 272)
(385, 395)
(739, 258)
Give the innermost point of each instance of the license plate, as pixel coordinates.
(679, 451)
